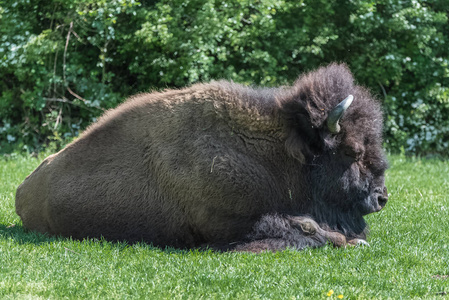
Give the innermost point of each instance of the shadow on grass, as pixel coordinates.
(24, 236)
(21, 235)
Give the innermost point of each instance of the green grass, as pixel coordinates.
(408, 256)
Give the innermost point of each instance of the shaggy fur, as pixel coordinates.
(219, 165)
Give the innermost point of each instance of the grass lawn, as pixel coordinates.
(408, 256)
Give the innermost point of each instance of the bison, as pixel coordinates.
(220, 165)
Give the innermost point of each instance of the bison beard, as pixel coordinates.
(220, 165)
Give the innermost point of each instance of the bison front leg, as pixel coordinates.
(338, 239)
(276, 232)
(309, 226)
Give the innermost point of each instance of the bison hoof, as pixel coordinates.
(307, 225)
(336, 238)
(358, 242)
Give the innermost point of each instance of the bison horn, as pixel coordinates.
(337, 113)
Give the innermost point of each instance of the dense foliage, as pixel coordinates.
(62, 63)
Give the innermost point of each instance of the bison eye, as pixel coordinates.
(354, 152)
(349, 154)
(353, 155)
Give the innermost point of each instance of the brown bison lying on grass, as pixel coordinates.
(220, 165)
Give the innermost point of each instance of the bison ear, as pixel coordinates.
(304, 139)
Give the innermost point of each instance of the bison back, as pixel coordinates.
(166, 172)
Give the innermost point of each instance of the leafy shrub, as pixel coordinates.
(62, 63)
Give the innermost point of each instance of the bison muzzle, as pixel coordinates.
(220, 165)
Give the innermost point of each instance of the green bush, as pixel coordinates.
(62, 63)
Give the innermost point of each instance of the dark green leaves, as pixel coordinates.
(399, 49)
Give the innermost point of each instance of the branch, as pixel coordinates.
(58, 118)
(383, 89)
(58, 100)
(54, 71)
(64, 66)
(65, 52)
(65, 100)
(75, 95)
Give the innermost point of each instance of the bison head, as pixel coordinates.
(335, 131)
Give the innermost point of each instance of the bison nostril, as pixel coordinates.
(382, 200)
